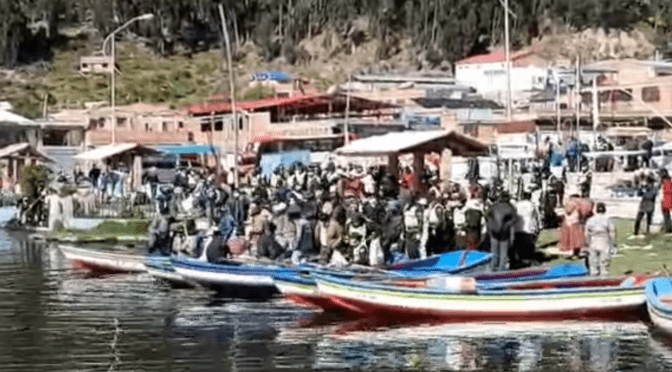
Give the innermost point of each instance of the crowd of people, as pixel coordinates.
(342, 215)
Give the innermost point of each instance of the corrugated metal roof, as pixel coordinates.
(10, 118)
(18, 149)
(298, 102)
(105, 152)
(409, 141)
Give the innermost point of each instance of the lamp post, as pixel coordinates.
(144, 17)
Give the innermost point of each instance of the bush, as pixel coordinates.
(258, 92)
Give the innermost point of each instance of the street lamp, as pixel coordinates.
(144, 17)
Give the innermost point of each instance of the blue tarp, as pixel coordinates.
(270, 162)
(194, 149)
(272, 75)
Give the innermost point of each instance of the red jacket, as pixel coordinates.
(666, 200)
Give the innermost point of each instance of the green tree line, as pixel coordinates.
(446, 29)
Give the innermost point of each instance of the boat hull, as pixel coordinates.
(303, 289)
(103, 262)
(659, 312)
(305, 294)
(612, 304)
(237, 281)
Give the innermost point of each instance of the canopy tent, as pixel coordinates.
(23, 151)
(409, 141)
(105, 152)
(419, 143)
(9, 118)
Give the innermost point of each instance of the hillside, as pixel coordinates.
(145, 76)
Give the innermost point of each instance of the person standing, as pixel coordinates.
(666, 202)
(646, 205)
(572, 230)
(601, 241)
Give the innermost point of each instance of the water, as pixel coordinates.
(55, 319)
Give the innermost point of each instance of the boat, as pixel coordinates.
(461, 261)
(300, 287)
(161, 267)
(459, 298)
(231, 277)
(98, 261)
(659, 303)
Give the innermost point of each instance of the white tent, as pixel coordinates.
(10, 118)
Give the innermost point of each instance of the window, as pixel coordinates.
(650, 94)
(164, 126)
(101, 123)
(219, 126)
(147, 127)
(104, 65)
(180, 125)
(85, 65)
(93, 123)
(190, 137)
(121, 122)
(205, 127)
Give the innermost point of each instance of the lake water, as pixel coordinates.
(55, 319)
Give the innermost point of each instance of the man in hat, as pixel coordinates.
(413, 218)
(255, 226)
(647, 205)
(601, 241)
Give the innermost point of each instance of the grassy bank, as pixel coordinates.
(635, 255)
(118, 230)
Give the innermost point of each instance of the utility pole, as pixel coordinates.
(557, 101)
(233, 98)
(347, 112)
(508, 61)
(596, 109)
(578, 96)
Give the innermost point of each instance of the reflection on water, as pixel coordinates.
(55, 319)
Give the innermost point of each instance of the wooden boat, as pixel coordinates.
(235, 278)
(300, 287)
(461, 261)
(161, 267)
(659, 303)
(98, 261)
(458, 298)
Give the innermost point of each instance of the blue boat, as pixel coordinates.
(233, 278)
(659, 303)
(161, 267)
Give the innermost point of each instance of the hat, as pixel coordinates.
(422, 201)
(327, 208)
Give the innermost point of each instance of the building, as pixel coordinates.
(487, 74)
(140, 123)
(404, 90)
(304, 115)
(629, 92)
(283, 84)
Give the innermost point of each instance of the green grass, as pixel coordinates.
(639, 255)
(108, 230)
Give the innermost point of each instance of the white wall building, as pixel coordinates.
(487, 74)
